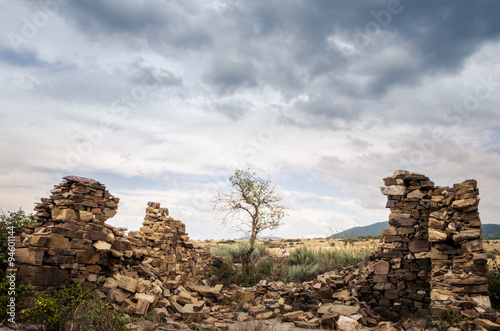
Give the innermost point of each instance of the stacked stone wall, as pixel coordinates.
(459, 262)
(71, 242)
(431, 257)
(399, 282)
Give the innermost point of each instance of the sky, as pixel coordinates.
(163, 100)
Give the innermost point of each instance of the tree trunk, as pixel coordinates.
(246, 257)
(246, 260)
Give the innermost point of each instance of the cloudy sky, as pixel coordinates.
(163, 100)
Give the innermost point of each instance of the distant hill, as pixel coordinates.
(490, 231)
(362, 231)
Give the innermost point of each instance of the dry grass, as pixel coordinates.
(493, 249)
(276, 245)
(492, 246)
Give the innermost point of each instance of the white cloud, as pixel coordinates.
(193, 90)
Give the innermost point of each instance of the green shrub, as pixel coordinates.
(301, 273)
(5, 297)
(262, 266)
(494, 285)
(265, 266)
(234, 253)
(224, 272)
(224, 252)
(77, 304)
(306, 263)
(11, 225)
(229, 241)
(97, 315)
(335, 259)
(303, 256)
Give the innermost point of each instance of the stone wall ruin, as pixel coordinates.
(70, 241)
(431, 256)
(430, 260)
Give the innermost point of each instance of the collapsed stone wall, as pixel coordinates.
(431, 256)
(71, 242)
(430, 259)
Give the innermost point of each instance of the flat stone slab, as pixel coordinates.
(339, 309)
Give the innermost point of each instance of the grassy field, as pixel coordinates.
(491, 247)
(276, 245)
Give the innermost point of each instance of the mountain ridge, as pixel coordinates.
(489, 231)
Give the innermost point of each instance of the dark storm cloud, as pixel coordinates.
(445, 33)
(157, 23)
(151, 76)
(23, 58)
(233, 110)
(325, 108)
(439, 35)
(228, 76)
(321, 49)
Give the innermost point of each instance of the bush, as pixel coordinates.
(306, 263)
(265, 266)
(11, 224)
(330, 260)
(234, 253)
(226, 273)
(301, 273)
(491, 255)
(494, 285)
(97, 315)
(76, 304)
(303, 256)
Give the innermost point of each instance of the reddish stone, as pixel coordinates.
(405, 222)
(381, 268)
(121, 244)
(419, 245)
(87, 257)
(473, 246)
(96, 235)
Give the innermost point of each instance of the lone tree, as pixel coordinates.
(250, 207)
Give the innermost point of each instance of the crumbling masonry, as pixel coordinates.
(430, 260)
(432, 254)
(71, 241)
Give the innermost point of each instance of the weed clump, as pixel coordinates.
(494, 285)
(76, 305)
